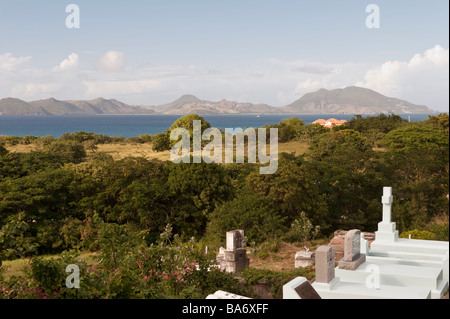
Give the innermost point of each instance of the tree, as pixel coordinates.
(382, 123)
(417, 138)
(3, 151)
(315, 129)
(373, 128)
(187, 122)
(44, 199)
(16, 241)
(16, 165)
(344, 168)
(196, 190)
(291, 190)
(440, 121)
(161, 142)
(70, 151)
(344, 143)
(131, 190)
(291, 129)
(255, 214)
(417, 167)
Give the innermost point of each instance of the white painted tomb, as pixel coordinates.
(387, 243)
(394, 268)
(348, 290)
(393, 274)
(388, 248)
(330, 286)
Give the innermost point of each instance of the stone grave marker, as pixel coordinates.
(352, 251)
(235, 240)
(234, 256)
(304, 258)
(325, 272)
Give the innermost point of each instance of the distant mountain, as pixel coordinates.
(56, 107)
(188, 104)
(12, 106)
(52, 106)
(114, 107)
(352, 100)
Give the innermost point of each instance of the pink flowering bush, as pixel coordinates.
(126, 268)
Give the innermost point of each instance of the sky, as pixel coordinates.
(261, 51)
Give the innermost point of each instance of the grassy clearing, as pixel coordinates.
(18, 267)
(297, 147)
(283, 258)
(121, 150)
(19, 148)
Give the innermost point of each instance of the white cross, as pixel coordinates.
(387, 200)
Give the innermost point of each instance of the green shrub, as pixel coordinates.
(71, 232)
(3, 151)
(441, 231)
(70, 151)
(161, 142)
(48, 236)
(418, 234)
(15, 238)
(265, 249)
(302, 230)
(253, 213)
(83, 137)
(145, 138)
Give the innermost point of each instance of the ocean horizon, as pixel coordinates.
(135, 125)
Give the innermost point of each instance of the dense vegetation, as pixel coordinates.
(148, 221)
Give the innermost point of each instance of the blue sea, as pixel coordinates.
(135, 125)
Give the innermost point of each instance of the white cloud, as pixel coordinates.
(112, 61)
(308, 85)
(111, 88)
(68, 63)
(424, 79)
(28, 90)
(9, 62)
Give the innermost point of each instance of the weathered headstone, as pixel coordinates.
(235, 256)
(235, 239)
(221, 255)
(304, 259)
(325, 264)
(352, 251)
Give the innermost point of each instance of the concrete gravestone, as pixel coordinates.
(352, 251)
(325, 264)
(235, 240)
(235, 256)
(304, 258)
